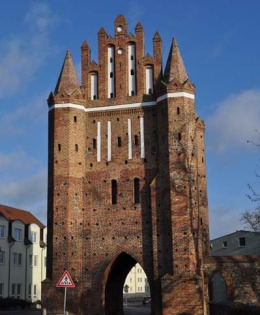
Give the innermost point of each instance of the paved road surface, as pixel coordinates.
(21, 312)
(130, 309)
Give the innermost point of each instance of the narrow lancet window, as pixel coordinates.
(131, 67)
(110, 71)
(149, 80)
(94, 86)
(136, 190)
(114, 191)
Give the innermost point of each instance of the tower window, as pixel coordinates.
(136, 190)
(59, 147)
(178, 110)
(136, 140)
(76, 147)
(119, 141)
(114, 191)
(94, 142)
(75, 118)
(179, 136)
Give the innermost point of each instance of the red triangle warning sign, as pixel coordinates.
(65, 281)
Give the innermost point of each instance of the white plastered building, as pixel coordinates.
(22, 254)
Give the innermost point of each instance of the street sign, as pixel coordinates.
(65, 281)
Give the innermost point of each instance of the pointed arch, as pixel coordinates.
(217, 288)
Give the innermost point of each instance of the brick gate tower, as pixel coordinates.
(127, 179)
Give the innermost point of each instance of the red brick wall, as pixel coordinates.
(167, 232)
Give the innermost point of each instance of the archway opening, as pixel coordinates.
(137, 294)
(115, 284)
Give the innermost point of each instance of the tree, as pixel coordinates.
(251, 218)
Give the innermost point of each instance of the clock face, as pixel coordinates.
(120, 51)
(119, 28)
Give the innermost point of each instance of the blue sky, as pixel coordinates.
(219, 42)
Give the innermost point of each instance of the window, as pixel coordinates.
(1, 289)
(2, 231)
(59, 147)
(114, 191)
(178, 110)
(2, 257)
(75, 118)
(242, 241)
(35, 290)
(132, 57)
(136, 140)
(20, 259)
(35, 260)
(17, 259)
(224, 244)
(13, 289)
(29, 291)
(119, 141)
(132, 72)
(76, 148)
(111, 74)
(19, 289)
(34, 237)
(136, 190)
(18, 234)
(30, 260)
(94, 143)
(179, 136)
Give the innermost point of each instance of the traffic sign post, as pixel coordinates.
(65, 282)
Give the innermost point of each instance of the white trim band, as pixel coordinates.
(176, 94)
(124, 106)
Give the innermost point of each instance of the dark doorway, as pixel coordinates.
(115, 283)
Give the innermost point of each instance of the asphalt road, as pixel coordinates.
(130, 309)
(21, 312)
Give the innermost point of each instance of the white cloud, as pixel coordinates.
(16, 122)
(23, 54)
(14, 161)
(234, 122)
(28, 193)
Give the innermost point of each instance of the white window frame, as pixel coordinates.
(2, 257)
(34, 236)
(2, 231)
(18, 290)
(18, 234)
(35, 260)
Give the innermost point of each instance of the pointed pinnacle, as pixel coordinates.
(68, 78)
(175, 69)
